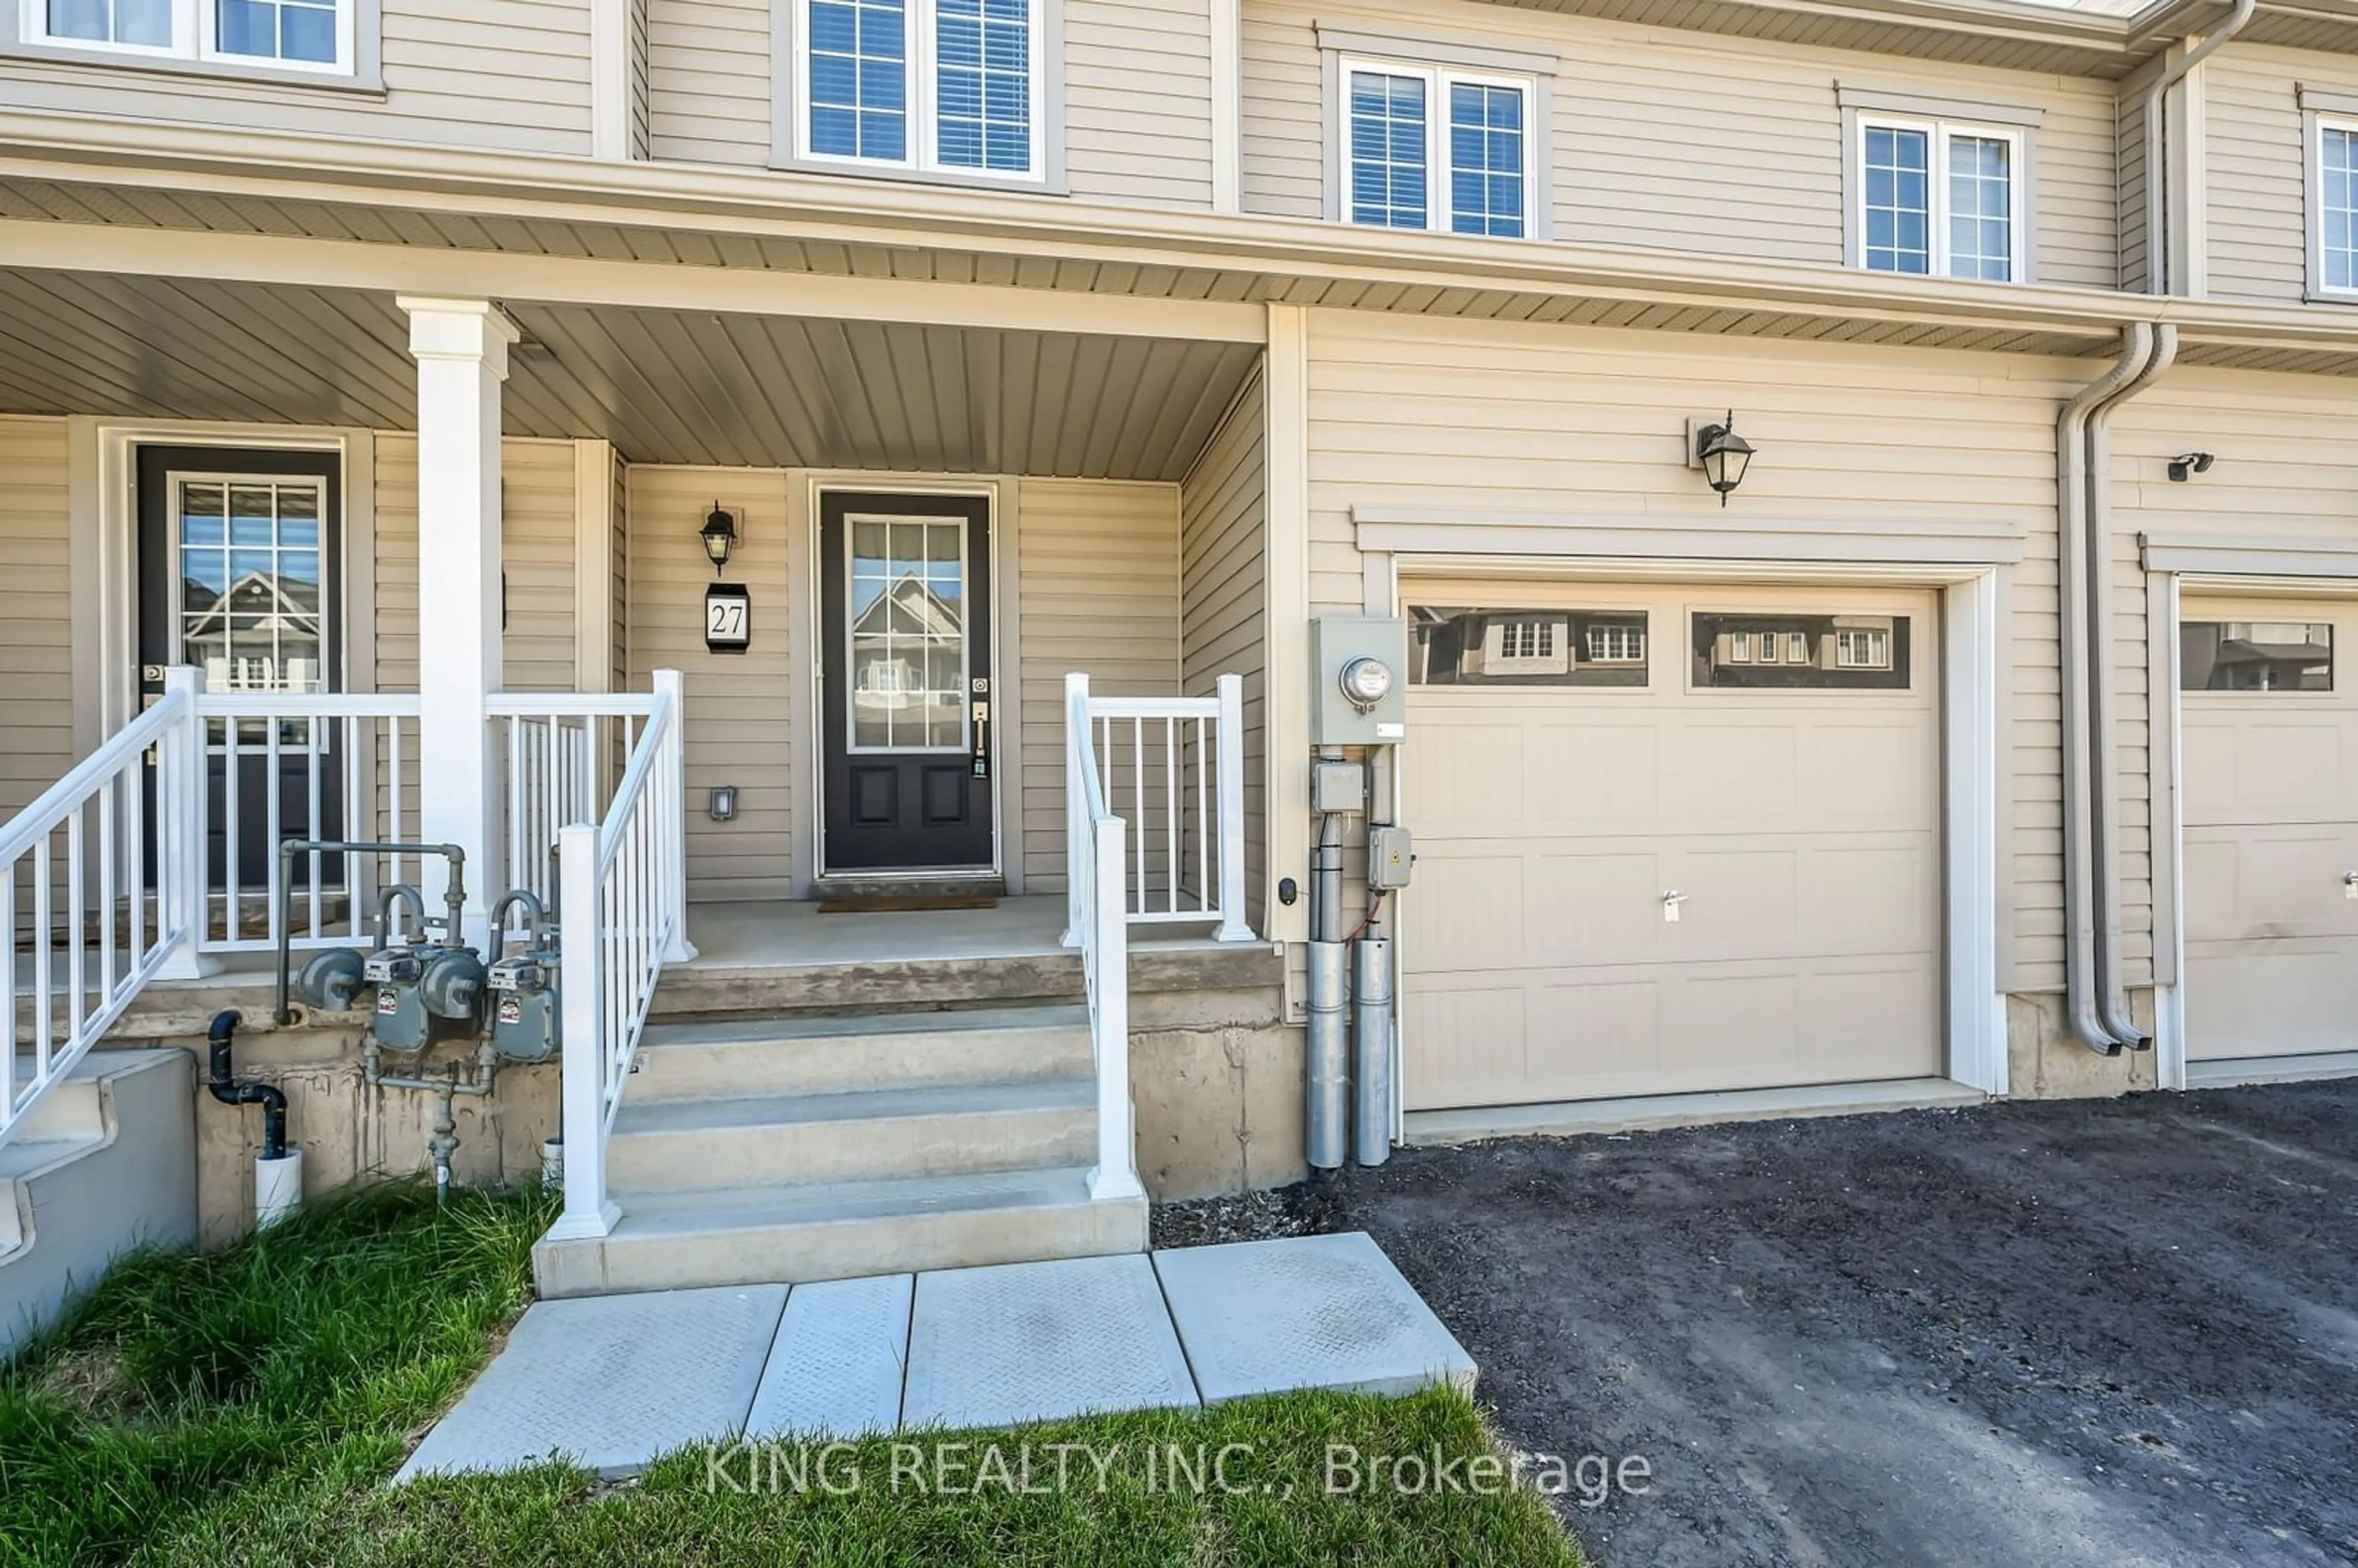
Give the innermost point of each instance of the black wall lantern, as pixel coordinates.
(719, 536)
(1723, 455)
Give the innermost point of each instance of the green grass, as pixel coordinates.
(246, 1408)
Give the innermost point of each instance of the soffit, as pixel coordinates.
(665, 386)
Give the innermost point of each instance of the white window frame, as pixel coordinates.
(2320, 123)
(196, 37)
(1939, 135)
(1876, 639)
(1438, 80)
(922, 94)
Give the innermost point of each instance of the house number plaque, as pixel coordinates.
(728, 618)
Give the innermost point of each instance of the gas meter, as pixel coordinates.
(523, 985)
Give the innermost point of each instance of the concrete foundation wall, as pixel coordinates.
(2046, 1062)
(1216, 1079)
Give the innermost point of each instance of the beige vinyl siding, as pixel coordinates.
(2258, 169)
(708, 81)
(37, 729)
(741, 714)
(1684, 140)
(639, 126)
(508, 74)
(2129, 150)
(1557, 421)
(1224, 601)
(620, 598)
(1097, 590)
(1138, 100)
(537, 549)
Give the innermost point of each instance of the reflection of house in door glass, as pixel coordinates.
(250, 585)
(2256, 655)
(908, 635)
(1455, 646)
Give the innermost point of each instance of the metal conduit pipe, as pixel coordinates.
(2111, 994)
(1329, 1132)
(1371, 1000)
(2157, 153)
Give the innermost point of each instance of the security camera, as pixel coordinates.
(2192, 463)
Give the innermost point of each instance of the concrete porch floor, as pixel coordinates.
(612, 1382)
(792, 935)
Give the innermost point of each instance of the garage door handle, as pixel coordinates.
(1670, 902)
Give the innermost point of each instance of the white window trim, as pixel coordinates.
(2313, 187)
(1939, 133)
(196, 41)
(1438, 80)
(922, 94)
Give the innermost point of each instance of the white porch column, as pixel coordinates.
(461, 348)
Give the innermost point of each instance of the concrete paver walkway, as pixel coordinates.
(612, 1382)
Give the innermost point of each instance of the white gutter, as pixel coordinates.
(2096, 1003)
(2157, 153)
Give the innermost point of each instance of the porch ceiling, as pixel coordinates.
(664, 386)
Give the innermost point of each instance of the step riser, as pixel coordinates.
(840, 1249)
(855, 1150)
(855, 1063)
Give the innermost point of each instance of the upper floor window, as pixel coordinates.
(936, 86)
(299, 35)
(1437, 147)
(1939, 199)
(2337, 207)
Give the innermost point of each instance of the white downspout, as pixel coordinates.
(2157, 158)
(2086, 903)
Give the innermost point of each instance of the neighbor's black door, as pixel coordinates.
(238, 555)
(905, 611)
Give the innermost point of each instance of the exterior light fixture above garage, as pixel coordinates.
(1722, 454)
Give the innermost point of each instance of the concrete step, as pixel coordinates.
(106, 1164)
(775, 1141)
(892, 1050)
(679, 1239)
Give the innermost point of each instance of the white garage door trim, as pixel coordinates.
(2237, 570)
(1971, 718)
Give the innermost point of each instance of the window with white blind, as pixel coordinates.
(930, 86)
(1437, 147)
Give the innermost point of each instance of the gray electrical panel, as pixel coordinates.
(1391, 852)
(1360, 715)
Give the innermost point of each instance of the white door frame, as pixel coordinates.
(1972, 712)
(808, 774)
(2165, 589)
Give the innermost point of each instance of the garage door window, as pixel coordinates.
(1866, 652)
(2256, 655)
(1457, 645)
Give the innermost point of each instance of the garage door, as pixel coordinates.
(1668, 840)
(2269, 739)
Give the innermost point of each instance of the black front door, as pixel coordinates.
(239, 556)
(904, 613)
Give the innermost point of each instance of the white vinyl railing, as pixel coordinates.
(622, 916)
(282, 764)
(1175, 767)
(82, 934)
(559, 752)
(1100, 928)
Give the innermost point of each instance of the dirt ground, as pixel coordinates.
(2028, 1333)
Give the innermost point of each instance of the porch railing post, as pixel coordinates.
(182, 883)
(581, 989)
(1234, 926)
(1076, 811)
(1116, 1176)
(671, 802)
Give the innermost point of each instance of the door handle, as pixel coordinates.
(2350, 884)
(1671, 902)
